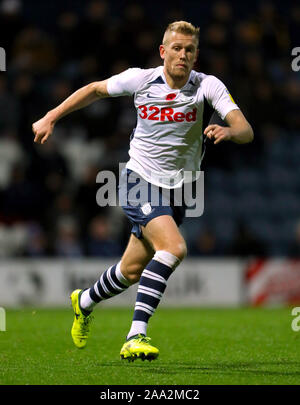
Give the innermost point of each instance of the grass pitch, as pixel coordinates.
(197, 346)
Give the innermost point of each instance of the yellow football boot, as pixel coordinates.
(81, 324)
(138, 347)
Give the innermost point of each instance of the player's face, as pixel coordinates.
(179, 54)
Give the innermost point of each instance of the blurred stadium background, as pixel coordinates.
(54, 237)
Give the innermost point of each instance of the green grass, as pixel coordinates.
(197, 346)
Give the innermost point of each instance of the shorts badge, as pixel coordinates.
(146, 208)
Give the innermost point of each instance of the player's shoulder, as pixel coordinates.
(131, 80)
(142, 76)
(150, 76)
(145, 73)
(204, 79)
(209, 84)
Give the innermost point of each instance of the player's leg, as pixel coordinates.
(112, 282)
(170, 249)
(120, 276)
(155, 218)
(163, 233)
(137, 254)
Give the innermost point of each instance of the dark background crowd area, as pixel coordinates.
(48, 192)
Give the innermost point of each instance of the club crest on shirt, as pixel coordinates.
(146, 208)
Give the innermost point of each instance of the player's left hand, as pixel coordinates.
(218, 133)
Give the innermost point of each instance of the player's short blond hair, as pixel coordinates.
(182, 27)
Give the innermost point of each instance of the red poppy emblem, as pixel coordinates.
(171, 96)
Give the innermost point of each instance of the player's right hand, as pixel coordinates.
(42, 129)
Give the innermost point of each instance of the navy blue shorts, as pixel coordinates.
(143, 201)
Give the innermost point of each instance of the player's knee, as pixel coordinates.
(178, 249)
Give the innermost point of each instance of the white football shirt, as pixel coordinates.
(167, 140)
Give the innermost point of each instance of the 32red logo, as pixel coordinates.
(154, 113)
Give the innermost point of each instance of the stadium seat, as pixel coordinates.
(248, 180)
(219, 180)
(279, 151)
(251, 204)
(281, 179)
(224, 229)
(79, 153)
(284, 205)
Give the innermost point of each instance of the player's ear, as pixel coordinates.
(162, 51)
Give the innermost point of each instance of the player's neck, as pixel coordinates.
(175, 82)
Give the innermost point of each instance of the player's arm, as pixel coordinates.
(238, 131)
(84, 96)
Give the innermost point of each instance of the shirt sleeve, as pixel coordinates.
(125, 83)
(218, 96)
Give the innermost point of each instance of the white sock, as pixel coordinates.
(136, 328)
(86, 301)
